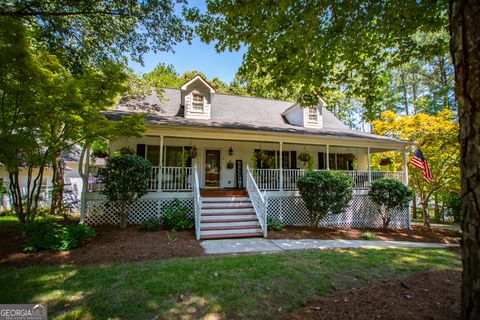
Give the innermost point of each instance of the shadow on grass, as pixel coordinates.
(241, 287)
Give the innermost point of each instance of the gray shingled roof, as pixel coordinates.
(234, 112)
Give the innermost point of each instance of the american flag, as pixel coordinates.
(419, 161)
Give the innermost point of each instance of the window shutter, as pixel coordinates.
(293, 159)
(321, 161)
(141, 150)
(189, 160)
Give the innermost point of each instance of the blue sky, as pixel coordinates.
(196, 56)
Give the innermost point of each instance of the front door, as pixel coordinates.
(212, 168)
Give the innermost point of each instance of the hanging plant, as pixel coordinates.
(192, 153)
(100, 154)
(260, 155)
(386, 161)
(305, 157)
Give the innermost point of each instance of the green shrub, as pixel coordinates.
(274, 224)
(73, 235)
(369, 235)
(176, 216)
(325, 192)
(390, 195)
(42, 233)
(45, 233)
(126, 180)
(152, 224)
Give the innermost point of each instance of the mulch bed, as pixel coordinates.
(428, 295)
(114, 245)
(109, 245)
(417, 233)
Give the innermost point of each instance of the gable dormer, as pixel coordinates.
(197, 95)
(308, 117)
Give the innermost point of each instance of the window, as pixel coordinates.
(336, 161)
(197, 102)
(273, 161)
(173, 156)
(153, 154)
(312, 115)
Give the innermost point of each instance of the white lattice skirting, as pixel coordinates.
(361, 213)
(99, 213)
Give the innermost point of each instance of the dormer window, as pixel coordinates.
(197, 102)
(312, 115)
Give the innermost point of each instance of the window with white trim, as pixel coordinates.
(312, 115)
(197, 102)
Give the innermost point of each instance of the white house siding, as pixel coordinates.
(308, 124)
(203, 90)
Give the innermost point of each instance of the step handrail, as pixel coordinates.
(259, 202)
(197, 199)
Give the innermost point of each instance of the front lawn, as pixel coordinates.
(233, 287)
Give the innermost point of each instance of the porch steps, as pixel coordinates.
(228, 214)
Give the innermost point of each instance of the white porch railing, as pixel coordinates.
(176, 179)
(171, 179)
(153, 181)
(197, 201)
(269, 179)
(258, 200)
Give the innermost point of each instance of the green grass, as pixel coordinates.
(12, 219)
(235, 287)
(8, 219)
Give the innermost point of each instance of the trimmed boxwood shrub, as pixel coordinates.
(126, 179)
(325, 192)
(390, 195)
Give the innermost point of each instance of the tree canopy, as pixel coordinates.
(437, 137)
(338, 50)
(82, 32)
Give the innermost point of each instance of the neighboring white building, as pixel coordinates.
(73, 182)
(226, 131)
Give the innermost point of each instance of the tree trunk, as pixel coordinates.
(464, 45)
(414, 93)
(58, 184)
(414, 207)
(436, 207)
(17, 198)
(405, 95)
(426, 215)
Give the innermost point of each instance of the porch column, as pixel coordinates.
(327, 160)
(405, 167)
(368, 169)
(160, 167)
(281, 165)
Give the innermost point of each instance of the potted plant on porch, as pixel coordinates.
(305, 157)
(260, 155)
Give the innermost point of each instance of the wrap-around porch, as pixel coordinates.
(224, 163)
(265, 172)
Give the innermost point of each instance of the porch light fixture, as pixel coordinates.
(230, 151)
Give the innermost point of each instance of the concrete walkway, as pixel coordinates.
(250, 245)
(439, 225)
